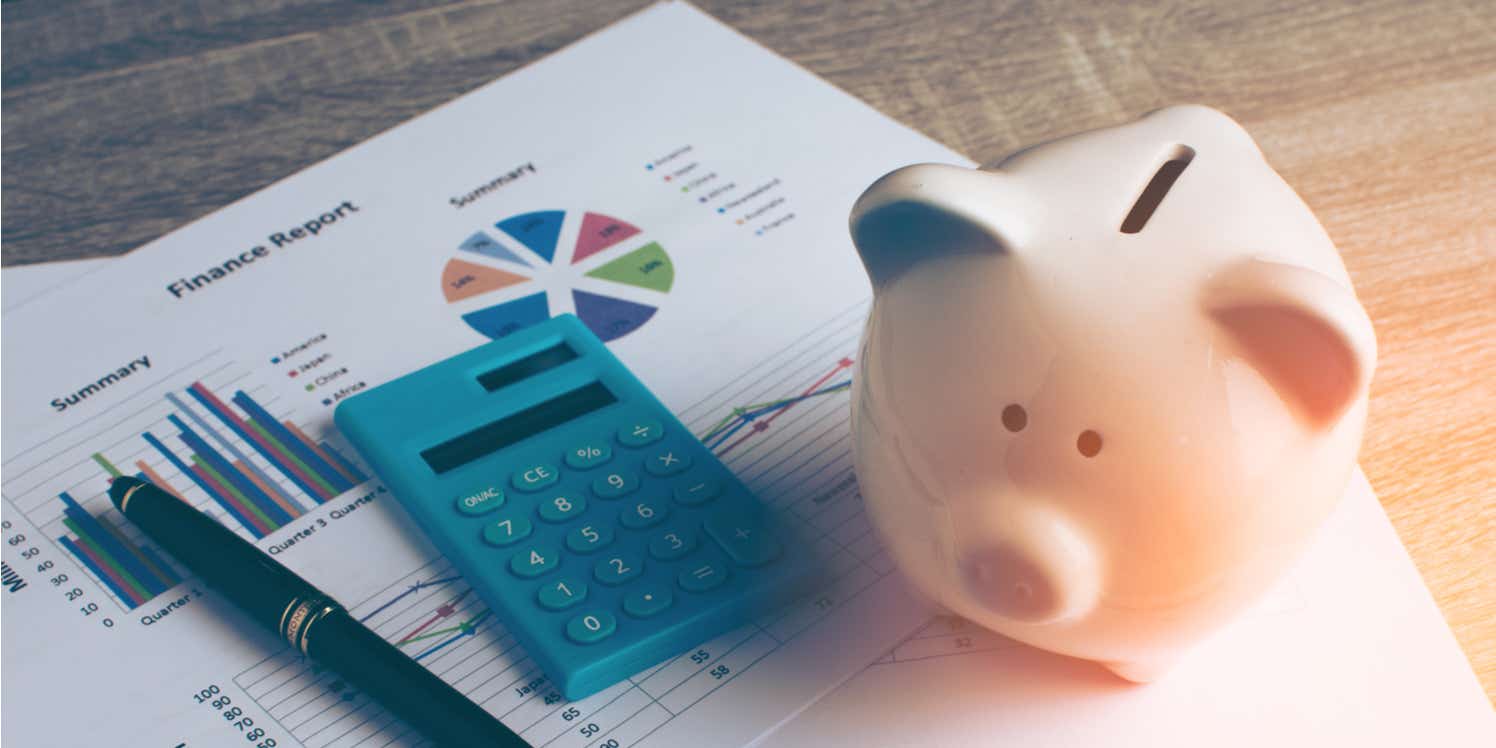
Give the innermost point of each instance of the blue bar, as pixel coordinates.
(233, 451)
(128, 596)
(311, 492)
(358, 475)
(153, 557)
(289, 441)
(251, 492)
(208, 488)
(107, 542)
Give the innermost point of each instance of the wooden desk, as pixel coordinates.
(124, 120)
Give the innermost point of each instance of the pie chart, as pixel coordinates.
(531, 266)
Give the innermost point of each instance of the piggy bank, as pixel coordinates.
(1109, 389)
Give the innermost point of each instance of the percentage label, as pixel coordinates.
(589, 453)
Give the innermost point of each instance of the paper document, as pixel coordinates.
(1348, 650)
(681, 190)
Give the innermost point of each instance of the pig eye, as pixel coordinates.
(1089, 443)
(1015, 418)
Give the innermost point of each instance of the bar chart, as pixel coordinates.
(219, 448)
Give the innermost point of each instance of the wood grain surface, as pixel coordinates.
(124, 120)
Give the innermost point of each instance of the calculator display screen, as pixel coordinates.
(492, 437)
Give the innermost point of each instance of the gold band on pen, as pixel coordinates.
(299, 615)
(124, 501)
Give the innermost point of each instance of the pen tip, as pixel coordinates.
(121, 486)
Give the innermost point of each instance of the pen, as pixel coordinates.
(307, 618)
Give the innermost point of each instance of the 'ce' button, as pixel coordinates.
(535, 477)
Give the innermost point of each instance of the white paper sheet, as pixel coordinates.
(741, 168)
(1349, 650)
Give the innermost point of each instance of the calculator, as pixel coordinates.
(602, 533)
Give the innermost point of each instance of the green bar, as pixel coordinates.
(289, 455)
(108, 467)
(108, 559)
(244, 501)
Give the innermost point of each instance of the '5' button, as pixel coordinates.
(535, 477)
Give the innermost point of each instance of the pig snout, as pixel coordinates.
(1036, 569)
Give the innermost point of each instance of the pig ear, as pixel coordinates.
(922, 212)
(1306, 334)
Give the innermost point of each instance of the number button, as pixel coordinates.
(648, 600)
(534, 560)
(615, 570)
(667, 462)
(744, 538)
(646, 513)
(615, 484)
(506, 530)
(562, 593)
(481, 502)
(535, 477)
(590, 628)
(672, 543)
(562, 508)
(640, 433)
(697, 491)
(588, 455)
(703, 577)
(589, 538)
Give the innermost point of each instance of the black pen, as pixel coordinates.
(307, 618)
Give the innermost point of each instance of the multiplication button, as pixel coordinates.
(535, 477)
(640, 433)
(480, 502)
(667, 462)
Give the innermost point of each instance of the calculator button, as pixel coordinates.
(534, 560)
(535, 477)
(562, 593)
(480, 502)
(639, 433)
(641, 514)
(745, 539)
(648, 600)
(592, 627)
(615, 484)
(617, 569)
(589, 538)
(702, 577)
(667, 462)
(697, 491)
(672, 543)
(588, 455)
(562, 508)
(507, 530)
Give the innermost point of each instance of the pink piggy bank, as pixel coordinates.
(1107, 390)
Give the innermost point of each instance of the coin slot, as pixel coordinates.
(1159, 186)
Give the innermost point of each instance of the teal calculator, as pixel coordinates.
(604, 535)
